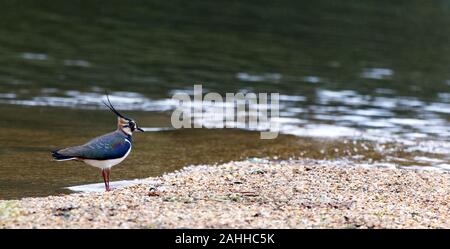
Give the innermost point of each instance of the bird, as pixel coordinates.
(104, 151)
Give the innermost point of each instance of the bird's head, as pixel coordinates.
(127, 125)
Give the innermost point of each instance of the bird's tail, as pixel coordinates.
(59, 157)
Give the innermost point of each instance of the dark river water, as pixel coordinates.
(362, 82)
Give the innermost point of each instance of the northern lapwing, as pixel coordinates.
(104, 151)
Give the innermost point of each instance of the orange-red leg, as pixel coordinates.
(105, 174)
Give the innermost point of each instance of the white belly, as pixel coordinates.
(103, 164)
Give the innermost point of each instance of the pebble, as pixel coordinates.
(251, 194)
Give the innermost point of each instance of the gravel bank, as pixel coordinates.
(251, 194)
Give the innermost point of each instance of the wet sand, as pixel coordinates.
(251, 194)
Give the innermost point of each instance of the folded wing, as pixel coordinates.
(110, 146)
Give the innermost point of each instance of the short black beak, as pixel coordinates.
(140, 129)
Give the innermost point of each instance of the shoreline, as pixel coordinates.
(251, 194)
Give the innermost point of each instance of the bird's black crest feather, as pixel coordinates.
(111, 107)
